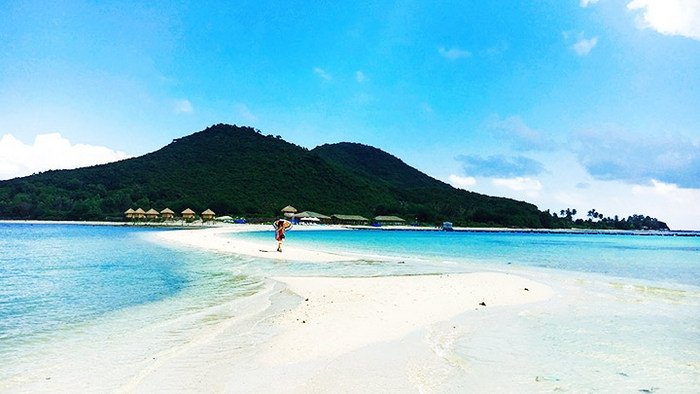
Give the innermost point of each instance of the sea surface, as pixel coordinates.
(627, 314)
(673, 259)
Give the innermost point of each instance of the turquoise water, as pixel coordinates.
(655, 258)
(57, 278)
(53, 276)
(59, 282)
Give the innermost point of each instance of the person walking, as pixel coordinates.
(281, 226)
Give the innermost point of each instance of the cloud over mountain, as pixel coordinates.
(49, 151)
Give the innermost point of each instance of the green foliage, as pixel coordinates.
(599, 221)
(238, 171)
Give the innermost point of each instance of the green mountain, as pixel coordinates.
(239, 171)
(424, 198)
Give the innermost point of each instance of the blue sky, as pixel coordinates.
(567, 104)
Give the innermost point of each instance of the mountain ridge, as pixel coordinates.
(237, 170)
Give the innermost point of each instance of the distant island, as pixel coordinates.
(241, 172)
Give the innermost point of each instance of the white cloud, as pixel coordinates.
(657, 188)
(567, 184)
(461, 182)
(583, 46)
(49, 151)
(183, 107)
(669, 17)
(586, 3)
(360, 76)
(609, 153)
(530, 186)
(323, 74)
(454, 53)
(675, 205)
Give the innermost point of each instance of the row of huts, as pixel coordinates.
(289, 212)
(166, 214)
(314, 217)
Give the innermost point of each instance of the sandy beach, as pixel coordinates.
(215, 239)
(334, 320)
(401, 333)
(354, 312)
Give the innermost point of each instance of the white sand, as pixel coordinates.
(420, 333)
(216, 239)
(350, 313)
(299, 334)
(353, 312)
(337, 317)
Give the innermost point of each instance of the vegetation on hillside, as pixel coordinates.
(239, 171)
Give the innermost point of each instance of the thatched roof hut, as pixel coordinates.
(152, 214)
(188, 214)
(208, 215)
(139, 213)
(289, 211)
(167, 213)
(129, 213)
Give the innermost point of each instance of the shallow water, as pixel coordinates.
(625, 318)
(57, 281)
(656, 258)
(626, 315)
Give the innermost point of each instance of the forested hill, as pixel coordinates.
(239, 171)
(425, 197)
(382, 167)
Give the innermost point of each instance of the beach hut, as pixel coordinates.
(129, 213)
(167, 214)
(139, 213)
(208, 215)
(152, 214)
(289, 211)
(389, 220)
(188, 214)
(349, 219)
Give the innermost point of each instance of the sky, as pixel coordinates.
(582, 104)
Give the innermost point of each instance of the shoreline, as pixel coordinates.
(213, 239)
(199, 225)
(330, 333)
(404, 332)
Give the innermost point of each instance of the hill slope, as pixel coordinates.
(236, 170)
(424, 197)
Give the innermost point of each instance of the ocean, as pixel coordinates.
(626, 315)
(62, 282)
(672, 259)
